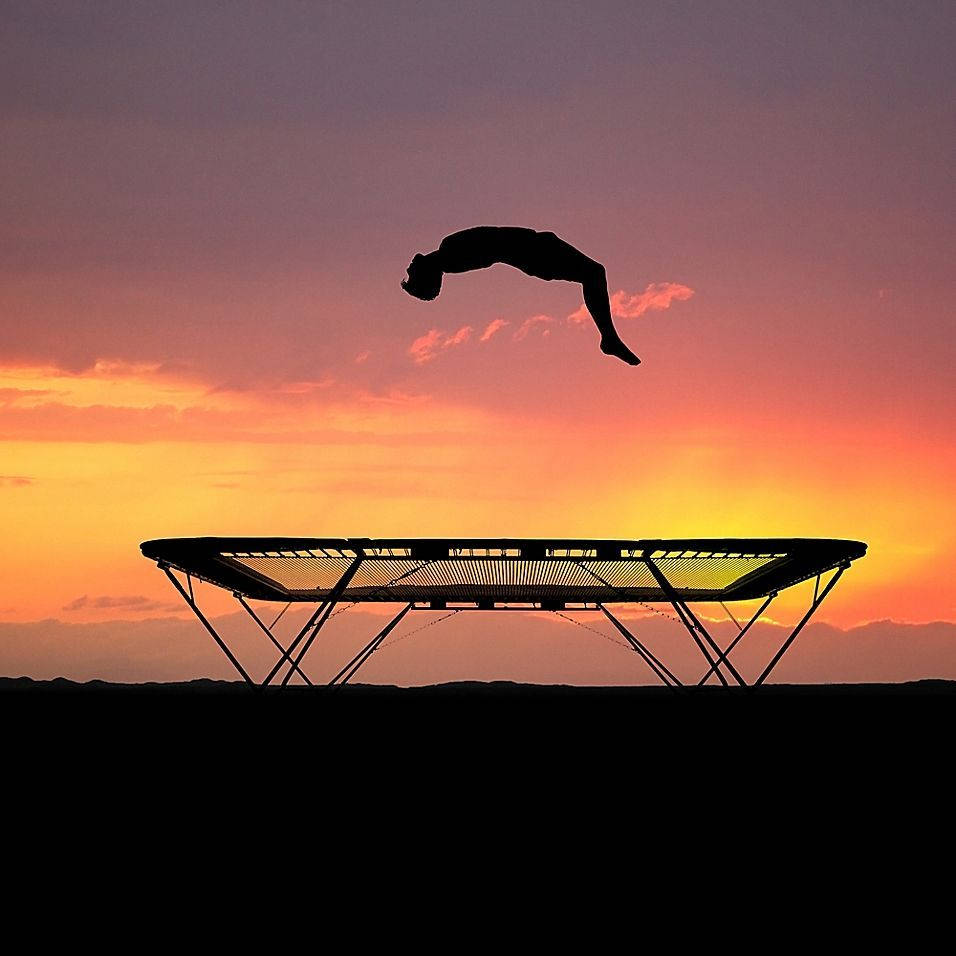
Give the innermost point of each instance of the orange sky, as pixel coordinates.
(107, 458)
(203, 330)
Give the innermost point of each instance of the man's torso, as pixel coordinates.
(540, 254)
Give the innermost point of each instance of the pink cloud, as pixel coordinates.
(427, 346)
(362, 357)
(495, 325)
(529, 324)
(459, 337)
(624, 305)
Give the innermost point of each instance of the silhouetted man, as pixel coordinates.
(539, 254)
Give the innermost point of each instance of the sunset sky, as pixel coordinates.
(207, 210)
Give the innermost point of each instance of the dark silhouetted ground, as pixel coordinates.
(614, 767)
(462, 692)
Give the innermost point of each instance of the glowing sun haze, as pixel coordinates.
(208, 212)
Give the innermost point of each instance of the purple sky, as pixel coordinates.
(260, 174)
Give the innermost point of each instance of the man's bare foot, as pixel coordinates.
(618, 349)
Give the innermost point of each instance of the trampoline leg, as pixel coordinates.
(663, 674)
(311, 622)
(350, 669)
(817, 601)
(682, 611)
(763, 607)
(268, 632)
(693, 625)
(294, 665)
(700, 644)
(321, 615)
(188, 598)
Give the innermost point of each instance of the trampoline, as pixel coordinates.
(503, 574)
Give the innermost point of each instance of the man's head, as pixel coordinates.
(424, 278)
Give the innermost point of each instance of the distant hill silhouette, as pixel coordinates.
(471, 646)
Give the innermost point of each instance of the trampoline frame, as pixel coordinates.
(717, 659)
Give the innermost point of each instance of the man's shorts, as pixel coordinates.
(553, 258)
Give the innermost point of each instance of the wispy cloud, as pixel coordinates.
(427, 346)
(362, 357)
(130, 602)
(97, 407)
(626, 305)
(459, 337)
(529, 325)
(9, 396)
(495, 325)
(15, 481)
(305, 387)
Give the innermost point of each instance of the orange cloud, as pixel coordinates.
(118, 406)
(10, 396)
(306, 387)
(134, 602)
(15, 481)
(495, 325)
(624, 305)
(528, 325)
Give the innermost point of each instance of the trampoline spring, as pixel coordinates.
(343, 609)
(594, 630)
(659, 613)
(398, 640)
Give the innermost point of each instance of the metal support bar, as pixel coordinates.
(818, 600)
(366, 652)
(743, 630)
(326, 613)
(680, 613)
(701, 646)
(278, 617)
(334, 595)
(721, 654)
(311, 622)
(692, 624)
(663, 674)
(737, 623)
(268, 632)
(325, 608)
(195, 608)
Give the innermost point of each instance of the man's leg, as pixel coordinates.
(594, 284)
(549, 257)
